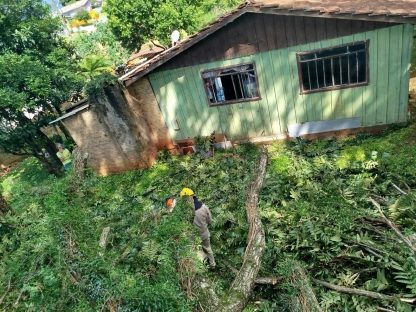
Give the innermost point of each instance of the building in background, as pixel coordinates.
(70, 10)
(262, 72)
(268, 70)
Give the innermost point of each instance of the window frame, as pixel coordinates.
(237, 101)
(337, 87)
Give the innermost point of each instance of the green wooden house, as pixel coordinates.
(273, 68)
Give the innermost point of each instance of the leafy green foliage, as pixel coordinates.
(314, 205)
(50, 251)
(205, 145)
(134, 22)
(93, 65)
(67, 2)
(82, 15)
(95, 87)
(37, 74)
(100, 42)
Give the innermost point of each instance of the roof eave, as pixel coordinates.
(71, 113)
(141, 71)
(131, 77)
(392, 18)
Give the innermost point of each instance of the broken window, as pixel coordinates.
(333, 68)
(232, 84)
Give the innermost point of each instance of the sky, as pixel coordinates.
(53, 3)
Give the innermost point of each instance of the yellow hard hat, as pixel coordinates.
(186, 192)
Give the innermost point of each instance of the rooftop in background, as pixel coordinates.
(147, 51)
(75, 6)
(395, 11)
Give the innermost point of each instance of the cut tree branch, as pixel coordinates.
(384, 309)
(395, 229)
(398, 188)
(360, 292)
(273, 280)
(305, 300)
(240, 290)
(270, 280)
(6, 292)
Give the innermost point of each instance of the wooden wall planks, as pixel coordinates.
(252, 33)
(181, 95)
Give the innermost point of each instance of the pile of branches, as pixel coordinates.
(348, 217)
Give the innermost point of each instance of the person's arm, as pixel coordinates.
(59, 155)
(209, 216)
(66, 155)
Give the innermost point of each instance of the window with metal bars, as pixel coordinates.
(334, 68)
(231, 84)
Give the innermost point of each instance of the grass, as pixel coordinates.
(313, 207)
(312, 204)
(49, 242)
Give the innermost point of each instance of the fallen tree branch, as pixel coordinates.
(398, 188)
(235, 299)
(305, 300)
(381, 198)
(395, 229)
(384, 309)
(271, 280)
(374, 220)
(6, 292)
(16, 303)
(360, 292)
(240, 290)
(407, 186)
(378, 253)
(370, 250)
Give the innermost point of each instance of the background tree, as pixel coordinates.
(37, 73)
(66, 2)
(93, 65)
(82, 15)
(100, 42)
(136, 21)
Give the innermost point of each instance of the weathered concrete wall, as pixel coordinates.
(145, 112)
(106, 132)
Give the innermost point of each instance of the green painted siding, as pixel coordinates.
(181, 95)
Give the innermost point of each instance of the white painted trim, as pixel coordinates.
(71, 113)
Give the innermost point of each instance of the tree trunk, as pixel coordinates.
(240, 290)
(66, 133)
(4, 206)
(305, 300)
(79, 163)
(51, 163)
